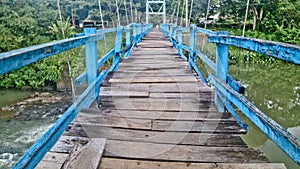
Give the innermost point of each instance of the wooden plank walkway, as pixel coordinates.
(155, 113)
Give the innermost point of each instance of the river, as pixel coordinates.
(24, 117)
(274, 89)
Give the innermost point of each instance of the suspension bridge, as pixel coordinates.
(153, 108)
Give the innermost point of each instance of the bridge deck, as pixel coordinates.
(155, 113)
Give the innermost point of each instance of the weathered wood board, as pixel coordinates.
(74, 153)
(111, 163)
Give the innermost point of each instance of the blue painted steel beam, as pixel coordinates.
(186, 48)
(91, 56)
(280, 136)
(38, 150)
(206, 31)
(117, 48)
(107, 30)
(21, 57)
(221, 73)
(237, 86)
(183, 29)
(282, 51)
(192, 45)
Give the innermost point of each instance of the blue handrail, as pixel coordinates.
(18, 58)
(228, 91)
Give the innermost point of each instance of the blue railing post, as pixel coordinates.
(221, 72)
(192, 45)
(135, 34)
(179, 38)
(118, 44)
(170, 34)
(91, 56)
(128, 43)
(139, 32)
(173, 35)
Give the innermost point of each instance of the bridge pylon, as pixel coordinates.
(156, 7)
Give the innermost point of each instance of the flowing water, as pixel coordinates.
(274, 89)
(17, 135)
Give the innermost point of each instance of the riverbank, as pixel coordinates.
(25, 119)
(39, 105)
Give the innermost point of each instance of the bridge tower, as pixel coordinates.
(156, 7)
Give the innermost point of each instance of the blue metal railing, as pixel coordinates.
(227, 90)
(18, 58)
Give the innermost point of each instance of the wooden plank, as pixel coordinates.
(148, 73)
(153, 67)
(110, 163)
(186, 96)
(197, 126)
(48, 165)
(74, 153)
(87, 156)
(157, 72)
(118, 93)
(52, 161)
(140, 49)
(166, 137)
(155, 42)
(184, 153)
(114, 121)
(174, 79)
(153, 63)
(201, 125)
(161, 56)
(203, 97)
(156, 104)
(203, 115)
(66, 144)
(153, 52)
(159, 87)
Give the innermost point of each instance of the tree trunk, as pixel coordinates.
(186, 13)
(60, 18)
(261, 13)
(73, 17)
(255, 16)
(118, 14)
(136, 16)
(254, 22)
(207, 12)
(131, 11)
(68, 57)
(101, 16)
(172, 16)
(181, 20)
(112, 20)
(127, 20)
(178, 8)
(246, 15)
(191, 9)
